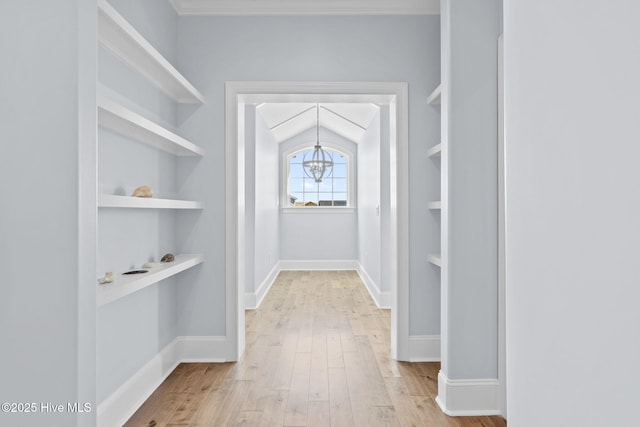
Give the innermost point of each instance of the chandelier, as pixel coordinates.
(321, 163)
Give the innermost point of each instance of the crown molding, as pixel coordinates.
(305, 7)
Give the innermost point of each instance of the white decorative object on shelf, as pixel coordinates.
(435, 151)
(434, 259)
(119, 119)
(109, 277)
(125, 285)
(434, 205)
(152, 264)
(434, 98)
(115, 33)
(113, 201)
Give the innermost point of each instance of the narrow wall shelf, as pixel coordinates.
(434, 205)
(125, 285)
(115, 33)
(434, 259)
(434, 98)
(117, 118)
(435, 151)
(113, 201)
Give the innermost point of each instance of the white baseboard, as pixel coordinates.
(382, 299)
(202, 349)
(319, 265)
(116, 409)
(424, 348)
(468, 397)
(252, 300)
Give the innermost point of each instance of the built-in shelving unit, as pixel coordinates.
(116, 34)
(127, 44)
(434, 98)
(115, 201)
(124, 285)
(119, 119)
(434, 259)
(435, 151)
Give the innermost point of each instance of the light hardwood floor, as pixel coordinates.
(317, 355)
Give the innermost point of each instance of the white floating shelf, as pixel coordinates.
(434, 259)
(435, 151)
(113, 201)
(434, 98)
(124, 285)
(117, 118)
(434, 205)
(116, 34)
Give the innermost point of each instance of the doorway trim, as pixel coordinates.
(237, 94)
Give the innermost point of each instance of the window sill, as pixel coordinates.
(319, 209)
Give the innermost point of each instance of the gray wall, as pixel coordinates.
(267, 213)
(47, 220)
(213, 50)
(369, 199)
(471, 30)
(333, 235)
(573, 230)
(132, 330)
(385, 223)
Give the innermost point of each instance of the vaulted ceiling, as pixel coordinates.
(287, 119)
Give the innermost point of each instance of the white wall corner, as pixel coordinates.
(253, 300)
(316, 265)
(116, 409)
(468, 397)
(424, 348)
(382, 299)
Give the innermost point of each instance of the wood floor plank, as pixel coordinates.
(317, 354)
(334, 349)
(296, 411)
(319, 373)
(381, 416)
(340, 410)
(318, 414)
(408, 413)
(283, 368)
(428, 373)
(155, 408)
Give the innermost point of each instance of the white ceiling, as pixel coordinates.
(306, 7)
(288, 119)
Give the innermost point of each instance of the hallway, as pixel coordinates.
(317, 355)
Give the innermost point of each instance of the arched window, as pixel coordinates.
(303, 191)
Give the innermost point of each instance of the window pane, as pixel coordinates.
(338, 159)
(310, 185)
(296, 185)
(340, 185)
(311, 198)
(299, 198)
(333, 189)
(297, 158)
(326, 186)
(339, 171)
(295, 170)
(340, 199)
